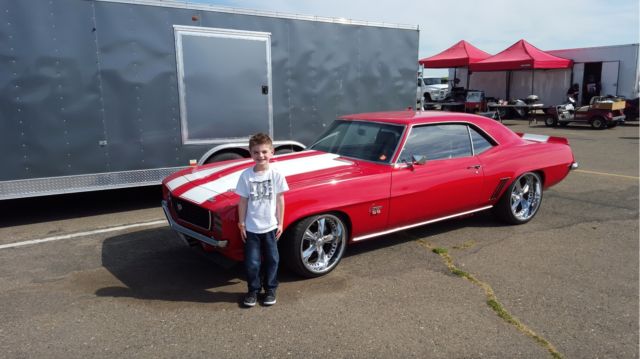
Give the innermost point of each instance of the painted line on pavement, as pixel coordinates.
(606, 174)
(82, 234)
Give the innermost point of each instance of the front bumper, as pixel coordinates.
(191, 233)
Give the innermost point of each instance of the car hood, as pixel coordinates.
(307, 168)
(437, 87)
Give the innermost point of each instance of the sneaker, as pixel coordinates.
(270, 297)
(250, 299)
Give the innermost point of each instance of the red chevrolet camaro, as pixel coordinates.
(373, 174)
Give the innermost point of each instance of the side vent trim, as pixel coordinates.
(499, 187)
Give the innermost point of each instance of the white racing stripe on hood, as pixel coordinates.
(196, 175)
(292, 167)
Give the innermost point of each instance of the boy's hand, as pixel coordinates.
(278, 232)
(243, 232)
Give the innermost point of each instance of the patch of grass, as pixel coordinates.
(460, 273)
(492, 301)
(499, 309)
(439, 250)
(465, 245)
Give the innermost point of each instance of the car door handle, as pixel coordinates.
(474, 167)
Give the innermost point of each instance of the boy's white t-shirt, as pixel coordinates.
(261, 189)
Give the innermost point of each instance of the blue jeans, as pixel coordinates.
(261, 247)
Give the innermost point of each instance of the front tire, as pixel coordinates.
(550, 122)
(315, 245)
(520, 203)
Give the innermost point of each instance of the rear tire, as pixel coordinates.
(520, 203)
(598, 123)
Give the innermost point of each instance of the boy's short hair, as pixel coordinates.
(260, 139)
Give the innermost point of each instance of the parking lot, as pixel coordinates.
(109, 279)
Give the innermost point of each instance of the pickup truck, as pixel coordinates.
(431, 89)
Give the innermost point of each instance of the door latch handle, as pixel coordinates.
(475, 167)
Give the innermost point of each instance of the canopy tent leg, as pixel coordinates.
(533, 73)
(468, 78)
(508, 85)
(453, 84)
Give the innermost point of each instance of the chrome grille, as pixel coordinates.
(191, 213)
(217, 223)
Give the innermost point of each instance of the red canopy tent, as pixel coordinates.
(521, 56)
(459, 55)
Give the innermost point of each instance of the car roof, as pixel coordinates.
(412, 117)
(495, 129)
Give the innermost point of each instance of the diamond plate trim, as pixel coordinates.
(83, 183)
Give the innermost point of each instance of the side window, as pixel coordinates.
(480, 143)
(437, 142)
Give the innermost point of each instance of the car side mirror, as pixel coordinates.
(418, 159)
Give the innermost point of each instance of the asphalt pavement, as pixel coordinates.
(101, 275)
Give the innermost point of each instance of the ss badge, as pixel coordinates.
(375, 210)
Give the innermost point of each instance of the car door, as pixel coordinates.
(448, 183)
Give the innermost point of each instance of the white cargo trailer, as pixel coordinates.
(615, 67)
(101, 94)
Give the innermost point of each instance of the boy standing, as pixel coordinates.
(260, 214)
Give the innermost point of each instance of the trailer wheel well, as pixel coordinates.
(287, 149)
(228, 154)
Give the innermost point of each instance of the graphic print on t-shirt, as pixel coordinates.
(261, 191)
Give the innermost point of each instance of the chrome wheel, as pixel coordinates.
(526, 195)
(322, 244)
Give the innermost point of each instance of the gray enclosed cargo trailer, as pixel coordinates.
(109, 94)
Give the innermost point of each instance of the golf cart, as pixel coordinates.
(602, 112)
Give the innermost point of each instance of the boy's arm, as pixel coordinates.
(279, 213)
(242, 215)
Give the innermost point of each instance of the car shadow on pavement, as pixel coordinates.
(155, 264)
(479, 220)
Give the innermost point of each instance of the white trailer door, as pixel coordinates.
(224, 81)
(609, 78)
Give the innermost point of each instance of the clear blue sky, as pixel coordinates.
(491, 25)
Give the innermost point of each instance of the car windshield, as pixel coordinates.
(369, 141)
(474, 96)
